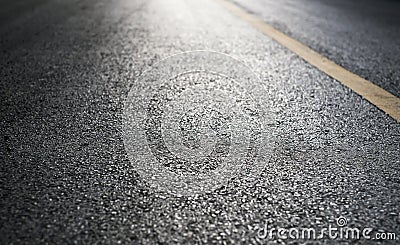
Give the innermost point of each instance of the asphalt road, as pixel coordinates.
(67, 68)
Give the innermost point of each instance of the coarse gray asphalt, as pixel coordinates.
(67, 67)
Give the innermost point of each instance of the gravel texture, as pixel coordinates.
(66, 69)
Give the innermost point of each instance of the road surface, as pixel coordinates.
(68, 66)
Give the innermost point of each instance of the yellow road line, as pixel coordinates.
(379, 97)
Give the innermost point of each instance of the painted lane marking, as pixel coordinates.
(379, 97)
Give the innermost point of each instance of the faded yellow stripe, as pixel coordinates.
(381, 98)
